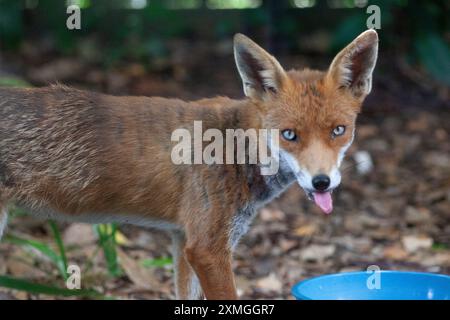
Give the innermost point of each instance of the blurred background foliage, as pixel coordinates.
(115, 31)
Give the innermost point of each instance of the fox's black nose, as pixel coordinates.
(321, 182)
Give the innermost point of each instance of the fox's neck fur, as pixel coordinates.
(225, 113)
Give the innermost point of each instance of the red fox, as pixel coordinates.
(81, 156)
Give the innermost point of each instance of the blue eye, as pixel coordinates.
(289, 135)
(338, 131)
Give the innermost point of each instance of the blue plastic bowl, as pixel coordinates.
(393, 285)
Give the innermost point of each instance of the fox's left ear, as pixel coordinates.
(352, 67)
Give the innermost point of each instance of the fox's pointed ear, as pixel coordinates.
(260, 72)
(352, 67)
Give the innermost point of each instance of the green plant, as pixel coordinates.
(35, 288)
(157, 262)
(44, 249)
(61, 248)
(107, 241)
(13, 82)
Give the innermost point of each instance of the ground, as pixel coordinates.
(392, 209)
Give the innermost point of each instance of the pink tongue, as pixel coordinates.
(323, 201)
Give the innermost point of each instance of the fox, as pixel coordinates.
(75, 155)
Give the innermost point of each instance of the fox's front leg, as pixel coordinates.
(208, 252)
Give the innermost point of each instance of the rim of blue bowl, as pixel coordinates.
(339, 274)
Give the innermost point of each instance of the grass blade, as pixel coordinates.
(42, 248)
(35, 288)
(62, 250)
(157, 263)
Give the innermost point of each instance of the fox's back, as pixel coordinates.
(83, 151)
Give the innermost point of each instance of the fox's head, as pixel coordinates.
(314, 111)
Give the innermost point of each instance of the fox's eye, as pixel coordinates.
(289, 134)
(338, 131)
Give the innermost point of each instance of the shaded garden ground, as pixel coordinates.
(395, 215)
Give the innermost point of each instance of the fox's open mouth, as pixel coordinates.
(322, 199)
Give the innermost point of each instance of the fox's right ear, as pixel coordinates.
(260, 72)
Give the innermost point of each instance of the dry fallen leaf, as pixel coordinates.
(395, 252)
(268, 214)
(79, 234)
(318, 253)
(269, 283)
(415, 243)
(306, 230)
(286, 244)
(243, 284)
(142, 277)
(21, 269)
(417, 216)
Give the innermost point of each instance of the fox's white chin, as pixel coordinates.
(322, 199)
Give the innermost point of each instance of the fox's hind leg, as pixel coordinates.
(3, 219)
(187, 286)
(3, 211)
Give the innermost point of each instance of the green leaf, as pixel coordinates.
(24, 285)
(440, 246)
(13, 82)
(158, 262)
(42, 248)
(62, 250)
